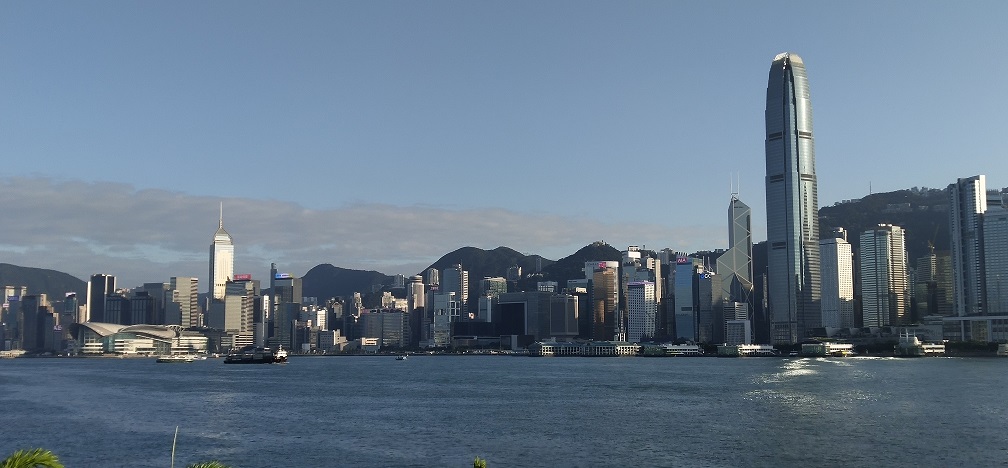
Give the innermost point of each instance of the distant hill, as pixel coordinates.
(54, 284)
(326, 281)
(482, 263)
(572, 266)
(924, 214)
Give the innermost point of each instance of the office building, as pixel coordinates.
(455, 279)
(604, 289)
(837, 269)
(642, 311)
(884, 277)
(792, 204)
(221, 259)
(734, 267)
(100, 286)
(183, 305)
(967, 203)
(995, 238)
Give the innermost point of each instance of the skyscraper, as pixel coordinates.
(99, 288)
(995, 237)
(221, 260)
(792, 204)
(837, 281)
(735, 265)
(455, 279)
(642, 311)
(967, 203)
(884, 276)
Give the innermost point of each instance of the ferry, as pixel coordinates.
(401, 357)
(911, 346)
(174, 358)
(255, 355)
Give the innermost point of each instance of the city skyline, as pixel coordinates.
(380, 137)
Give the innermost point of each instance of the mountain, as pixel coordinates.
(572, 266)
(326, 281)
(482, 263)
(923, 213)
(52, 283)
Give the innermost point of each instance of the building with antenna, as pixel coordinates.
(221, 260)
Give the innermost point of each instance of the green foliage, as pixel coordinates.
(37, 458)
(479, 463)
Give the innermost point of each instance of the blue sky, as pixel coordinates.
(381, 135)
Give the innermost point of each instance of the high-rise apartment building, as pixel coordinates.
(967, 203)
(792, 204)
(884, 293)
(221, 260)
(837, 269)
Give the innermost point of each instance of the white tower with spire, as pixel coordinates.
(221, 259)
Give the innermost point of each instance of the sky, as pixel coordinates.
(382, 135)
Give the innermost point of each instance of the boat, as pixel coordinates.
(401, 357)
(169, 358)
(1002, 350)
(256, 355)
(911, 346)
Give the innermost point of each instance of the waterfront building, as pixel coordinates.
(983, 329)
(604, 290)
(738, 332)
(540, 315)
(792, 204)
(884, 277)
(734, 267)
(743, 350)
(995, 248)
(967, 203)
(100, 286)
(684, 310)
(390, 327)
(221, 259)
(442, 310)
(642, 311)
(837, 269)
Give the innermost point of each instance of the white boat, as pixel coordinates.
(911, 346)
(401, 357)
(169, 358)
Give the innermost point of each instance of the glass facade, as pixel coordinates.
(792, 204)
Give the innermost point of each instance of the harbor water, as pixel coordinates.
(443, 411)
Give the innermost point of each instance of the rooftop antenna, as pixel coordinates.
(220, 222)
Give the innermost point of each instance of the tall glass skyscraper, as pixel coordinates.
(792, 204)
(968, 202)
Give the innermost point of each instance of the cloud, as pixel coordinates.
(150, 235)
